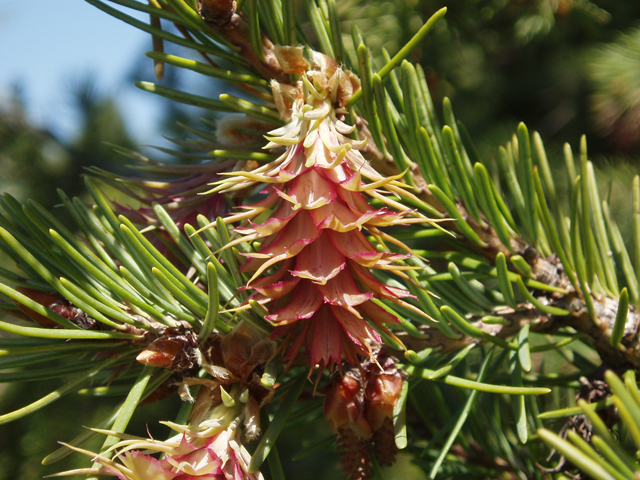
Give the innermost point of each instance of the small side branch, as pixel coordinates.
(599, 331)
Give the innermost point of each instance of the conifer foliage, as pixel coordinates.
(329, 247)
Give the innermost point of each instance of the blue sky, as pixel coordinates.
(45, 45)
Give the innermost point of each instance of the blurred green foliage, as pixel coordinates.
(34, 163)
(613, 71)
(548, 63)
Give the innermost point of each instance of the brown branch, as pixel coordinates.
(546, 270)
(221, 15)
(626, 354)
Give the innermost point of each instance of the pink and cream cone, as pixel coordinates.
(313, 266)
(210, 447)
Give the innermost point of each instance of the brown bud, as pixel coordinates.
(53, 301)
(244, 349)
(171, 353)
(382, 392)
(384, 384)
(359, 409)
(344, 406)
